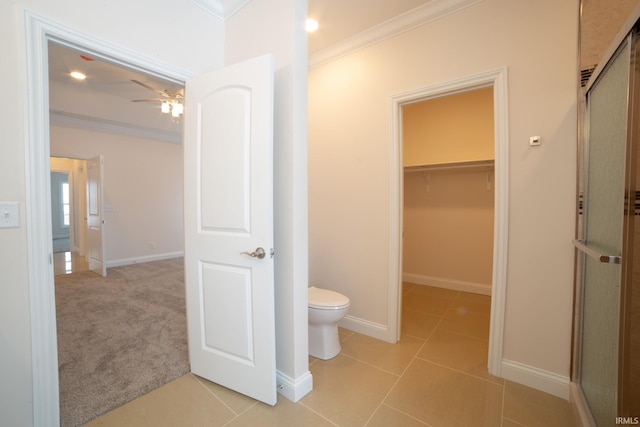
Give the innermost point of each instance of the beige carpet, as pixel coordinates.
(119, 337)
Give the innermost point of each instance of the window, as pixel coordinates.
(66, 218)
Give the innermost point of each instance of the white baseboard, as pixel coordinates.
(581, 413)
(456, 285)
(365, 327)
(146, 258)
(294, 389)
(539, 379)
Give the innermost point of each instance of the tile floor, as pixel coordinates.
(435, 376)
(69, 262)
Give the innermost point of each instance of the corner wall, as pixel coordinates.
(277, 27)
(349, 143)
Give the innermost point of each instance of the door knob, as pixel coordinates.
(258, 253)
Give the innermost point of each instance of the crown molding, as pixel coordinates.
(222, 9)
(63, 118)
(428, 12)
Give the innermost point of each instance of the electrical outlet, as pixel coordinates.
(9, 214)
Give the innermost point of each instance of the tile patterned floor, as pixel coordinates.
(69, 262)
(435, 376)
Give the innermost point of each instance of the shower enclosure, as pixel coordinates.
(606, 366)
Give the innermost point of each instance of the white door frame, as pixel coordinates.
(498, 80)
(38, 31)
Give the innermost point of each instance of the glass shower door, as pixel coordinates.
(602, 234)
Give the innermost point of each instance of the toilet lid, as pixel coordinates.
(326, 299)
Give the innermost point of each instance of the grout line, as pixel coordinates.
(371, 365)
(403, 372)
(405, 414)
(460, 372)
(317, 413)
(221, 401)
(513, 421)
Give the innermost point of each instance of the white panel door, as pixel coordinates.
(95, 215)
(229, 226)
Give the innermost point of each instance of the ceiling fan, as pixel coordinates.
(171, 102)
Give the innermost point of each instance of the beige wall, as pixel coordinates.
(349, 145)
(142, 191)
(452, 128)
(448, 229)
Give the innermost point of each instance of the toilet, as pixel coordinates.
(326, 308)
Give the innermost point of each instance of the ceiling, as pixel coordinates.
(340, 19)
(105, 96)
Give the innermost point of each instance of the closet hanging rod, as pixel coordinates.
(452, 165)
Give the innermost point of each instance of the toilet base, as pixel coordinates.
(324, 342)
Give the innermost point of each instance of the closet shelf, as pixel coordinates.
(452, 165)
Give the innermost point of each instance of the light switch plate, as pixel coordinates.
(9, 214)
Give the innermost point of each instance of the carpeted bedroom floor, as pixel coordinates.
(119, 337)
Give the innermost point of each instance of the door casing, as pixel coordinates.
(498, 80)
(38, 32)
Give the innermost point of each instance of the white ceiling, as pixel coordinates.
(106, 94)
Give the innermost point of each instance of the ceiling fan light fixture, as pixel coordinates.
(165, 107)
(177, 109)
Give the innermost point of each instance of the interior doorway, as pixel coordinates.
(448, 218)
(68, 213)
(448, 156)
(496, 81)
(99, 373)
(41, 283)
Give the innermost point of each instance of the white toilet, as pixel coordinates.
(326, 308)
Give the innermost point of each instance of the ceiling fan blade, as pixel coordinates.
(146, 86)
(149, 100)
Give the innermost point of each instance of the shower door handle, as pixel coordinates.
(258, 253)
(607, 259)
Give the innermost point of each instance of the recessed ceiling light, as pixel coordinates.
(311, 25)
(77, 75)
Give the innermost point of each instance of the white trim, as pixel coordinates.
(579, 407)
(146, 258)
(538, 379)
(62, 118)
(221, 9)
(428, 12)
(214, 7)
(37, 31)
(365, 327)
(453, 284)
(294, 389)
(498, 80)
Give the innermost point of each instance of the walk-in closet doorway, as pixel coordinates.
(448, 158)
(451, 162)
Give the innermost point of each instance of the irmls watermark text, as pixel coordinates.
(627, 420)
